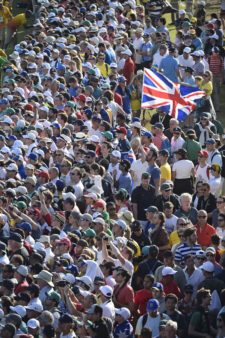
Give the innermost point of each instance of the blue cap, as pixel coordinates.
(4, 101)
(136, 119)
(2, 138)
(122, 79)
(99, 16)
(88, 112)
(24, 73)
(91, 153)
(79, 122)
(111, 27)
(47, 51)
(211, 141)
(60, 184)
(158, 286)
(61, 67)
(164, 152)
(152, 208)
(12, 137)
(145, 250)
(25, 226)
(146, 35)
(8, 70)
(77, 232)
(83, 9)
(152, 305)
(33, 157)
(62, 86)
(73, 268)
(148, 134)
(56, 125)
(96, 118)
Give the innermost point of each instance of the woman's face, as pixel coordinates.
(155, 219)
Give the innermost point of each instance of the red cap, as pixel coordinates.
(28, 107)
(65, 241)
(99, 204)
(204, 153)
(81, 97)
(43, 174)
(34, 211)
(122, 130)
(210, 25)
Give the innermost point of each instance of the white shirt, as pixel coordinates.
(112, 168)
(78, 190)
(110, 281)
(214, 159)
(201, 173)
(30, 240)
(183, 169)
(138, 167)
(194, 279)
(176, 143)
(152, 323)
(157, 58)
(189, 62)
(170, 224)
(128, 265)
(137, 45)
(215, 185)
(108, 309)
(220, 232)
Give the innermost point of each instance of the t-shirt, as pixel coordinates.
(128, 69)
(141, 299)
(17, 21)
(165, 172)
(183, 169)
(125, 295)
(169, 65)
(204, 234)
(199, 321)
(152, 323)
(139, 168)
(143, 198)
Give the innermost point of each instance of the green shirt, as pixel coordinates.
(192, 148)
(218, 126)
(199, 322)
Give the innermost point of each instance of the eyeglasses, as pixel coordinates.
(219, 202)
(58, 154)
(183, 224)
(204, 190)
(202, 216)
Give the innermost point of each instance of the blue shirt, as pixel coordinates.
(125, 182)
(105, 115)
(155, 173)
(126, 96)
(146, 46)
(124, 330)
(190, 81)
(169, 65)
(197, 43)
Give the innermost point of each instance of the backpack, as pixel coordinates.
(151, 271)
(145, 318)
(207, 170)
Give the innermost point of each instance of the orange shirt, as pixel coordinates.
(204, 234)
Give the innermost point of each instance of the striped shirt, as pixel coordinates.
(216, 65)
(184, 250)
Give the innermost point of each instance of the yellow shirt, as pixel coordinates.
(174, 238)
(147, 115)
(207, 87)
(165, 171)
(5, 15)
(17, 21)
(104, 69)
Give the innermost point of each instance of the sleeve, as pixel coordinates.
(139, 326)
(156, 174)
(195, 320)
(134, 196)
(161, 64)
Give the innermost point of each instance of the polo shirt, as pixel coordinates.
(169, 65)
(195, 278)
(143, 198)
(165, 172)
(128, 69)
(184, 250)
(125, 296)
(108, 309)
(192, 148)
(141, 299)
(204, 234)
(155, 173)
(171, 287)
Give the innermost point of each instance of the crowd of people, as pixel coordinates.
(112, 217)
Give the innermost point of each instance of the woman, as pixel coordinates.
(135, 89)
(197, 194)
(120, 200)
(206, 83)
(204, 129)
(159, 235)
(135, 141)
(192, 146)
(176, 142)
(182, 173)
(221, 326)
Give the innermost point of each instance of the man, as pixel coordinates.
(138, 234)
(44, 281)
(171, 301)
(199, 67)
(169, 66)
(185, 60)
(186, 210)
(189, 246)
(51, 304)
(165, 168)
(148, 266)
(215, 180)
(214, 154)
(193, 275)
(199, 323)
(159, 139)
(107, 305)
(15, 245)
(99, 327)
(207, 201)
(153, 169)
(204, 230)
(168, 260)
(14, 24)
(62, 249)
(210, 253)
(151, 319)
(122, 325)
(210, 282)
(216, 66)
(166, 196)
(142, 296)
(128, 69)
(66, 324)
(142, 197)
(139, 167)
(20, 275)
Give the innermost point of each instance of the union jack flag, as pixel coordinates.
(174, 99)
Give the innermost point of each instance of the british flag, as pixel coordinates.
(175, 99)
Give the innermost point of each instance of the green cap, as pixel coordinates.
(55, 295)
(145, 175)
(105, 86)
(86, 23)
(105, 216)
(90, 233)
(91, 71)
(108, 135)
(10, 111)
(17, 129)
(54, 10)
(30, 127)
(145, 250)
(11, 81)
(69, 73)
(70, 104)
(21, 205)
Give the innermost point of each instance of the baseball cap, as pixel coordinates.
(148, 134)
(121, 130)
(188, 288)
(158, 286)
(165, 187)
(55, 295)
(33, 323)
(86, 280)
(211, 141)
(211, 250)
(90, 233)
(121, 224)
(123, 312)
(168, 271)
(207, 266)
(152, 305)
(164, 152)
(122, 79)
(106, 290)
(152, 208)
(116, 153)
(215, 167)
(65, 240)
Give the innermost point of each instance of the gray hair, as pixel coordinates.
(172, 324)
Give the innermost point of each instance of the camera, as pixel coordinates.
(62, 283)
(105, 238)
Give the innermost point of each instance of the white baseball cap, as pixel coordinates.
(116, 153)
(33, 323)
(11, 167)
(66, 195)
(19, 309)
(207, 266)
(106, 290)
(168, 271)
(187, 50)
(35, 307)
(30, 136)
(123, 312)
(86, 280)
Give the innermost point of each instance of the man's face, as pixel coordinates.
(147, 283)
(168, 261)
(185, 203)
(170, 304)
(193, 238)
(210, 147)
(145, 182)
(210, 256)
(189, 262)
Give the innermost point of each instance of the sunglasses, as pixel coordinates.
(183, 224)
(219, 202)
(202, 216)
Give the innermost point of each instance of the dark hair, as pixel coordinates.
(215, 239)
(146, 332)
(163, 20)
(201, 294)
(168, 254)
(120, 195)
(222, 297)
(49, 331)
(171, 296)
(187, 257)
(153, 251)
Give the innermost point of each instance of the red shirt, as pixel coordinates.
(118, 99)
(171, 287)
(125, 296)
(204, 234)
(128, 69)
(21, 287)
(141, 299)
